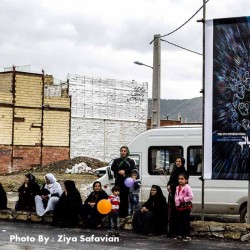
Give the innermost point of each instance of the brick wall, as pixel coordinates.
(31, 122)
(53, 154)
(28, 157)
(5, 159)
(25, 157)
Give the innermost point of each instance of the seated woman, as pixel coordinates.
(89, 213)
(3, 198)
(27, 193)
(152, 218)
(49, 195)
(67, 209)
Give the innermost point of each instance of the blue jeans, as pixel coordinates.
(113, 221)
(133, 203)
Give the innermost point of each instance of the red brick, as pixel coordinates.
(27, 157)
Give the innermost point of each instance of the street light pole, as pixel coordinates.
(156, 86)
(140, 63)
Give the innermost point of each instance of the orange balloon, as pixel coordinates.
(104, 206)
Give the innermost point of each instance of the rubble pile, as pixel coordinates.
(62, 166)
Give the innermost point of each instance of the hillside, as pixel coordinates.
(190, 110)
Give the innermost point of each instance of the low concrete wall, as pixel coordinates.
(233, 231)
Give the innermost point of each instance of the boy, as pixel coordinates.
(134, 192)
(113, 217)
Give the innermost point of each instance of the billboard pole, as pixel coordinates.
(248, 204)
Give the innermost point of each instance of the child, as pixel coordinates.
(134, 193)
(183, 197)
(113, 217)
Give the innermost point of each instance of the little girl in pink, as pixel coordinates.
(183, 198)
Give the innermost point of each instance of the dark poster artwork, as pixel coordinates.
(231, 99)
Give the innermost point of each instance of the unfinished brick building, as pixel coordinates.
(34, 127)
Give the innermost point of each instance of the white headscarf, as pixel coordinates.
(52, 179)
(53, 186)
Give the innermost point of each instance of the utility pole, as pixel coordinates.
(156, 85)
(203, 109)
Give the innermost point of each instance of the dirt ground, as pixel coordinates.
(12, 181)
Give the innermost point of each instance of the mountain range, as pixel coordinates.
(190, 110)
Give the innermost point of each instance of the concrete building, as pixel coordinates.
(105, 114)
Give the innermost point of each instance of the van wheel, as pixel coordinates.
(243, 214)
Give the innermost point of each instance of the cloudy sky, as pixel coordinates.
(102, 38)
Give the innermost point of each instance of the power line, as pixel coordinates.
(181, 47)
(184, 22)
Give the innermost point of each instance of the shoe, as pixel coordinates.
(110, 233)
(186, 238)
(116, 234)
(178, 238)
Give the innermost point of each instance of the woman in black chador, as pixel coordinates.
(27, 193)
(152, 218)
(89, 213)
(3, 198)
(173, 182)
(122, 168)
(67, 209)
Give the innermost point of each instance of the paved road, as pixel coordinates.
(36, 236)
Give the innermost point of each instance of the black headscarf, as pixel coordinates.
(174, 177)
(159, 193)
(182, 164)
(32, 179)
(95, 182)
(68, 207)
(70, 187)
(155, 202)
(96, 196)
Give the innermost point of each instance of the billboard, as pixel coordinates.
(227, 99)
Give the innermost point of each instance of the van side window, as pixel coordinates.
(136, 159)
(161, 159)
(194, 160)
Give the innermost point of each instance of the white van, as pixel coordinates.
(155, 151)
(106, 177)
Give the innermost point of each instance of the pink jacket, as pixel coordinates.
(183, 194)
